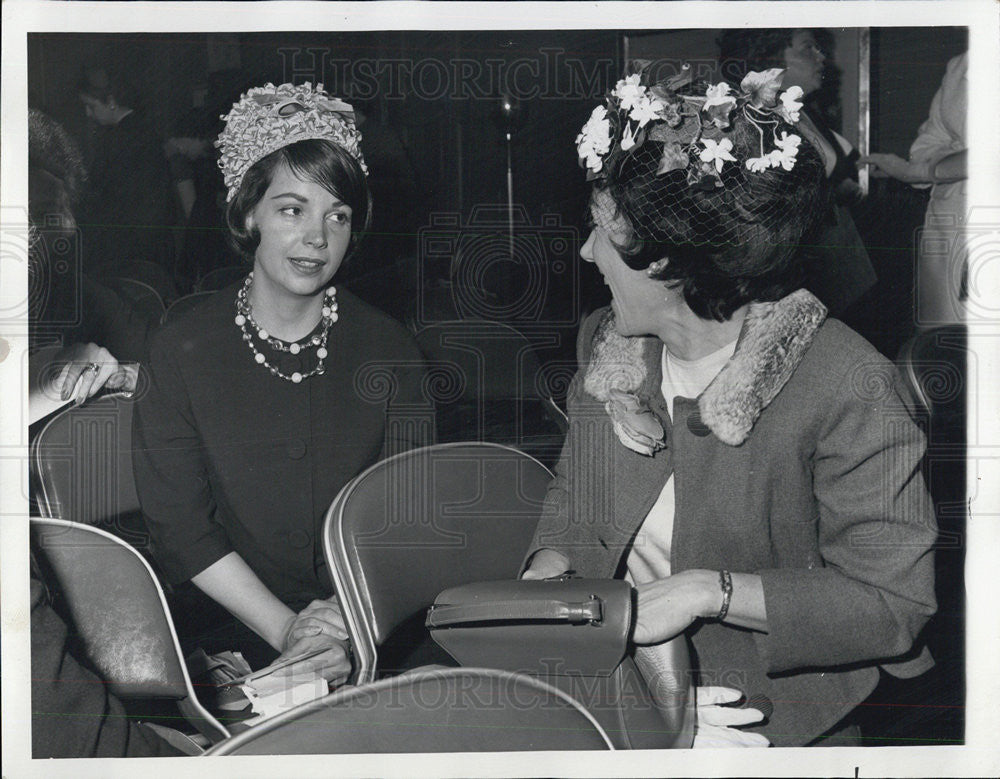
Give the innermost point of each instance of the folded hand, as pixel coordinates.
(319, 617)
(88, 367)
(333, 662)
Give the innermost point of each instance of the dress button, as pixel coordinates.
(296, 449)
(299, 539)
(696, 426)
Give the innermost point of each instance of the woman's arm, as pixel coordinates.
(873, 590)
(555, 534)
(667, 606)
(318, 627)
(233, 584)
(943, 170)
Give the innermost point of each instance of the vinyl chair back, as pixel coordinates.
(220, 278)
(937, 369)
(412, 525)
(934, 364)
(184, 304)
(430, 710)
(149, 273)
(490, 386)
(81, 461)
(140, 296)
(121, 616)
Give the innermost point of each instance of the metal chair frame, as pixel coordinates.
(342, 700)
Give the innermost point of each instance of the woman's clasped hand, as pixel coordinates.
(546, 564)
(318, 628)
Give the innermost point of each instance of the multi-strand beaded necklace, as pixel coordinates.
(244, 316)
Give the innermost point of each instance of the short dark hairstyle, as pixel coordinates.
(728, 246)
(318, 160)
(741, 51)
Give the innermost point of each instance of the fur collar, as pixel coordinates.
(774, 339)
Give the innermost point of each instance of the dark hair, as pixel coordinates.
(50, 148)
(318, 160)
(727, 246)
(741, 51)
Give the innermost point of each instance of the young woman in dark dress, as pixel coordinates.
(270, 396)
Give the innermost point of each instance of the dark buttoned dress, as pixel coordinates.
(229, 457)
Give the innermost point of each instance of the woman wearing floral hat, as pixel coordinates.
(272, 394)
(744, 460)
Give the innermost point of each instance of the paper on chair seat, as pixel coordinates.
(270, 695)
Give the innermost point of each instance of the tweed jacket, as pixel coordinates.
(799, 463)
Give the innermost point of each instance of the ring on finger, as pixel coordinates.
(95, 367)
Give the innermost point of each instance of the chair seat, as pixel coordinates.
(436, 710)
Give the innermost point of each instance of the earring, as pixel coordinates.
(656, 268)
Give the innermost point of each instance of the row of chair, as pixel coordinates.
(397, 534)
(147, 299)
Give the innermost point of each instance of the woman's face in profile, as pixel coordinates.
(803, 63)
(305, 232)
(637, 300)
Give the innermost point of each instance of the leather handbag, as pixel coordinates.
(572, 634)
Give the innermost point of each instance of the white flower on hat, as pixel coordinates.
(759, 164)
(790, 104)
(646, 109)
(787, 151)
(628, 137)
(718, 94)
(717, 152)
(628, 91)
(594, 139)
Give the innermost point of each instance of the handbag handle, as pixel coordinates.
(589, 611)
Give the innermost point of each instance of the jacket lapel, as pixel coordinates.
(639, 479)
(774, 339)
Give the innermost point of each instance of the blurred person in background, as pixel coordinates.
(839, 270)
(938, 159)
(100, 336)
(129, 212)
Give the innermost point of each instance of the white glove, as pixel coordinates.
(716, 725)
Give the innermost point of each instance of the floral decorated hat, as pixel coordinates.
(269, 118)
(713, 137)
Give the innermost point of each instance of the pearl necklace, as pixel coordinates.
(244, 314)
